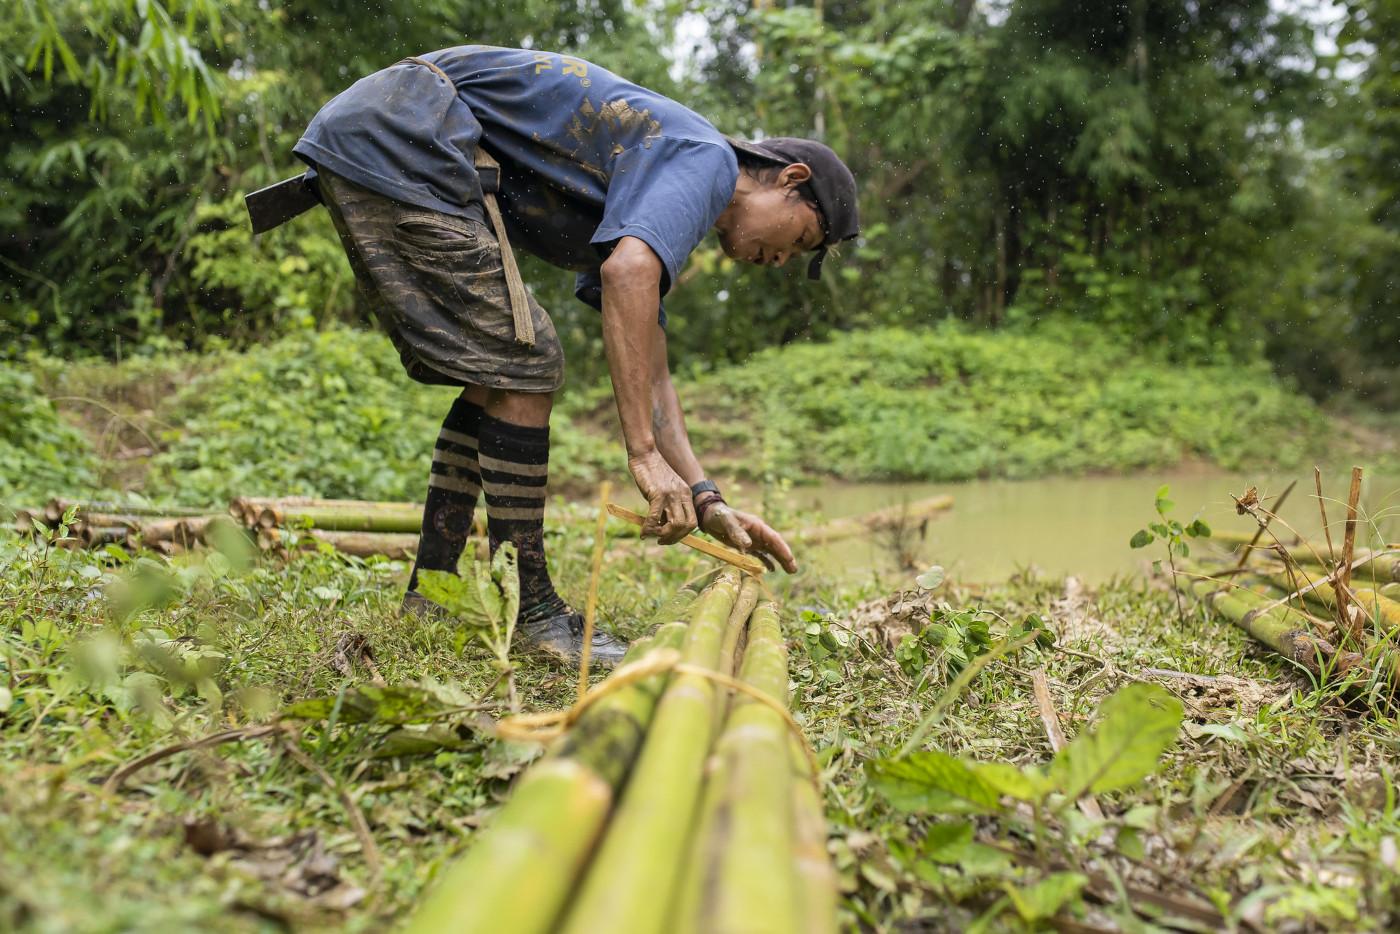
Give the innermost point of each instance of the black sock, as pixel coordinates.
(453, 484)
(514, 474)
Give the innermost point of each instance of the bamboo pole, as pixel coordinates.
(815, 878)
(878, 521)
(1279, 627)
(518, 874)
(743, 876)
(1381, 609)
(56, 507)
(398, 546)
(631, 881)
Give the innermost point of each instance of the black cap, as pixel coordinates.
(832, 186)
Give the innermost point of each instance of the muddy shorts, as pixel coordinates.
(437, 284)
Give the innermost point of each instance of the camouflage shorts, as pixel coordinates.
(436, 283)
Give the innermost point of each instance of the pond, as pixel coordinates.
(1073, 525)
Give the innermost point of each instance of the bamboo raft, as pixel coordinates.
(670, 804)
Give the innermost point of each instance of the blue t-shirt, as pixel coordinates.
(586, 157)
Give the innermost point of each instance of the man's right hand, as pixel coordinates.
(670, 510)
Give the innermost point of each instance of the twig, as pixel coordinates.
(1322, 507)
(352, 810)
(1263, 526)
(1056, 734)
(590, 611)
(115, 780)
(1343, 588)
(737, 558)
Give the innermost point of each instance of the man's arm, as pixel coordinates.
(667, 419)
(742, 530)
(631, 293)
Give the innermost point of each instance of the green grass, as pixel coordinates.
(1275, 803)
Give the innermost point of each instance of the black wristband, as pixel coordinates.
(704, 486)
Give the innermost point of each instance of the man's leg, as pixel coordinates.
(453, 484)
(514, 461)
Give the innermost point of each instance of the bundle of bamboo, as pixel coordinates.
(667, 805)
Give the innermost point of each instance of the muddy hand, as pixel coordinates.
(670, 512)
(750, 534)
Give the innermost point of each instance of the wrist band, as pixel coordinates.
(706, 501)
(704, 486)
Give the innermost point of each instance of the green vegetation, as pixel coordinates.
(951, 404)
(40, 454)
(331, 414)
(105, 659)
(1208, 180)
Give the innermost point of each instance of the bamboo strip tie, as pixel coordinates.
(548, 725)
(737, 558)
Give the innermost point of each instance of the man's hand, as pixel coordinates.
(670, 512)
(748, 533)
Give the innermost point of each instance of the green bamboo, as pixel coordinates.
(742, 876)
(1281, 628)
(343, 518)
(518, 874)
(817, 892)
(631, 881)
(1383, 611)
(55, 509)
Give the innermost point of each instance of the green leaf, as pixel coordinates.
(930, 579)
(1141, 539)
(935, 782)
(370, 703)
(1136, 726)
(1198, 529)
(1028, 784)
(1046, 898)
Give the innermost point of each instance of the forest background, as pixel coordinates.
(1204, 187)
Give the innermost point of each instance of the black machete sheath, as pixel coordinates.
(276, 204)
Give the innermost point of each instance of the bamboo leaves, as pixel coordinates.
(1138, 724)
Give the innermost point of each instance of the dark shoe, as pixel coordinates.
(561, 635)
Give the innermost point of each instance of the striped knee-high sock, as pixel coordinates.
(453, 485)
(514, 475)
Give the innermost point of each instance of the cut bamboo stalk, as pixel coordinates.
(1055, 733)
(56, 507)
(518, 874)
(714, 550)
(1374, 604)
(632, 880)
(341, 519)
(1280, 627)
(737, 626)
(816, 882)
(878, 521)
(743, 876)
(398, 546)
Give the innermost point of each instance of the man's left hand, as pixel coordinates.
(748, 533)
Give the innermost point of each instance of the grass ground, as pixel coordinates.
(1275, 806)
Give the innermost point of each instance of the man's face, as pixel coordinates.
(772, 225)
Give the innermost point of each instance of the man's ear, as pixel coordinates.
(793, 175)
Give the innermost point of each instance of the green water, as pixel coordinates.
(1075, 525)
